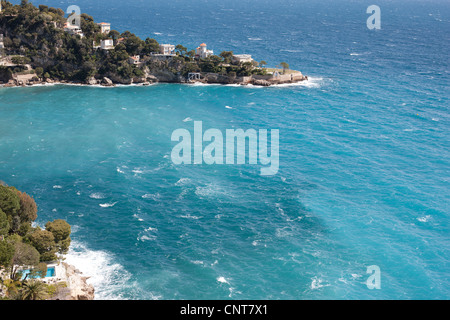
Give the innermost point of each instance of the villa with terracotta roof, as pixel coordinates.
(105, 27)
(203, 52)
(134, 59)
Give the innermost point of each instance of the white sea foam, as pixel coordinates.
(155, 196)
(212, 190)
(317, 283)
(424, 219)
(233, 85)
(74, 228)
(222, 280)
(226, 281)
(312, 82)
(57, 187)
(137, 217)
(201, 84)
(144, 238)
(291, 51)
(97, 195)
(119, 170)
(182, 181)
(148, 234)
(188, 216)
(107, 205)
(107, 277)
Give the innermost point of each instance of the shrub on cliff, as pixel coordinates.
(20, 60)
(6, 254)
(28, 207)
(4, 224)
(19, 208)
(33, 290)
(44, 242)
(9, 201)
(24, 255)
(61, 232)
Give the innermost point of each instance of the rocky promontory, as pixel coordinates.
(39, 45)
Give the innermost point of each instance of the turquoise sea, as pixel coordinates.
(364, 157)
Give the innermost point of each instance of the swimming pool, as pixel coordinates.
(51, 272)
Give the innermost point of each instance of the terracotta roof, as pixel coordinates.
(203, 45)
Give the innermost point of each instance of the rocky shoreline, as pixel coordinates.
(210, 78)
(79, 289)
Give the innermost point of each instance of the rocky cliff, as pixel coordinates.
(77, 284)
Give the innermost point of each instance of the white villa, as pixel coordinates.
(107, 44)
(242, 58)
(167, 49)
(105, 27)
(203, 52)
(73, 30)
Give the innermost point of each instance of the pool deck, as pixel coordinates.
(77, 285)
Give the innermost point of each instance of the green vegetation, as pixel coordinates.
(33, 290)
(24, 246)
(285, 66)
(36, 36)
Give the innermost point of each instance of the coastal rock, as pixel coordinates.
(107, 82)
(91, 81)
(11, 83)
(152, 79)
(139, 80)
(165, 76)
(79, 288)
(264, 83)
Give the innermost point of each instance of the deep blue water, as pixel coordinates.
(364, 157)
